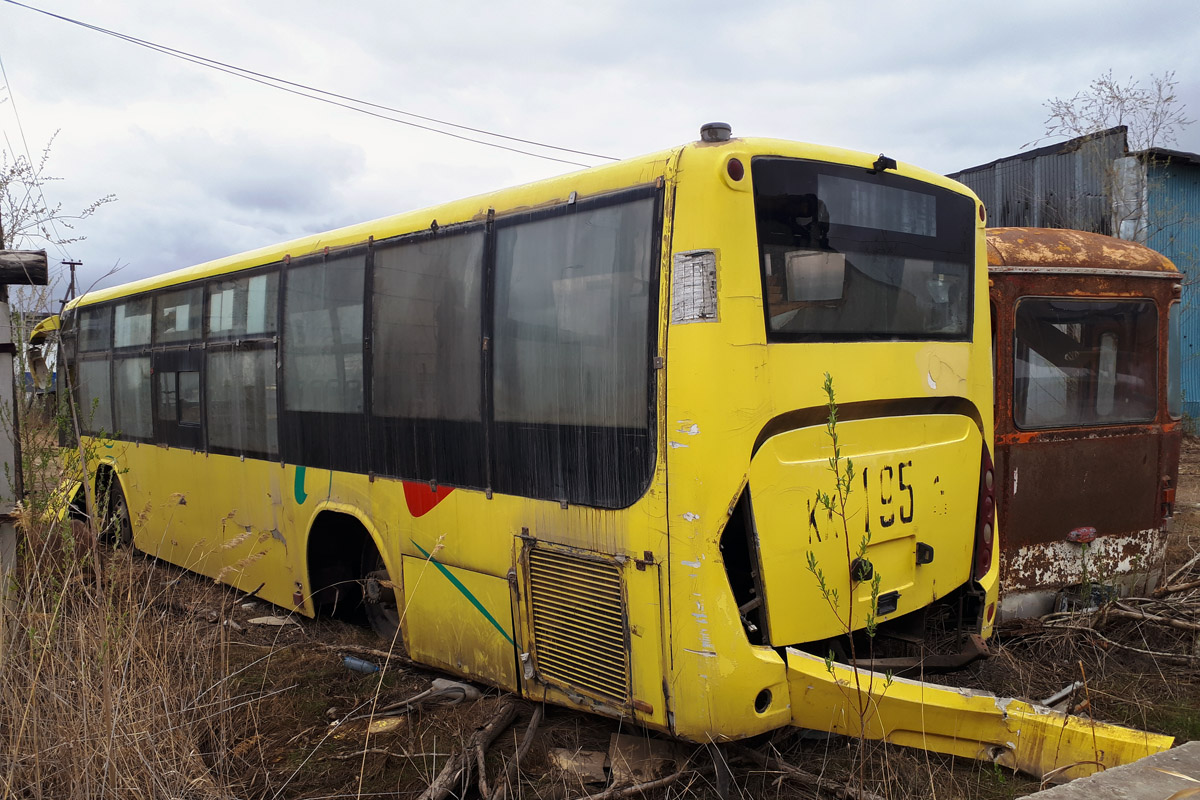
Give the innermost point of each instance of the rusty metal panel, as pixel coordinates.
(1050, 488)
(1057, 480)
(1060, 249)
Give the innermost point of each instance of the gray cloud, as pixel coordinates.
(206, 165)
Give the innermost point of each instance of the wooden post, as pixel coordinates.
(24, 268)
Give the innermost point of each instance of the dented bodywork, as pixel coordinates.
(1087, 450)
(1013, 733)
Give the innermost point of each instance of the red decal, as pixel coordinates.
(421, 497)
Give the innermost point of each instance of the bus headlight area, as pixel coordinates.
(571, 440)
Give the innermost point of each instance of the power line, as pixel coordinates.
(321, 95)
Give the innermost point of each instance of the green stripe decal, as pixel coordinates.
(465, 592)
(298, 486)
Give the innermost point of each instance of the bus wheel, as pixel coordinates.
(115, 524)
(379, 599)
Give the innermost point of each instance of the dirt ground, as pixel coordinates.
(303, 730)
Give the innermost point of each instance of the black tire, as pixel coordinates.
(116, 527)
(379, 597)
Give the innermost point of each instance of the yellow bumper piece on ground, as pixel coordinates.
(961, 722)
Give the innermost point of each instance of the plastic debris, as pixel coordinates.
(586, 766)
(277, 622)
(359, 665)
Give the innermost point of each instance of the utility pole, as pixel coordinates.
(71, 286)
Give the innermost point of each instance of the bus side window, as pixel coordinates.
(168, 397)
(426, 330)
(131, 388)
(240, 408)
(132, 325)
(178, 316)
(95, 395)
(323, 336)
(572, 354)
(189, 397)
(93, 374)
(240, 396)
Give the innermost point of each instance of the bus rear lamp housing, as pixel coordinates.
(985, 536)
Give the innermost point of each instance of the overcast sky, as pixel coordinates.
(204, 164)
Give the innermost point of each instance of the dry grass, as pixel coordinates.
(121, 678)
(103, 692)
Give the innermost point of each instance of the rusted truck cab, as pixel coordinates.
(1087, 415)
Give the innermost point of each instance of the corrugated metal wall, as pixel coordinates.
(1173, 229)
(1089, 183)
(1061, 186)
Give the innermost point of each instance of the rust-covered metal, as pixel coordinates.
(1054, 479)
(1067, 249)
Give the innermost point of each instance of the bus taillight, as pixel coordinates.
(985, 525)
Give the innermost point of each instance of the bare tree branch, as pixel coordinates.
(27, 218)
(1153, 114)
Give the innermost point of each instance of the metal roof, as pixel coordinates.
(1061, 248)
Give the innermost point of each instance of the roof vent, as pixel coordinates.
(715, 132)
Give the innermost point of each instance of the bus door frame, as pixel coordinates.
(175, 432)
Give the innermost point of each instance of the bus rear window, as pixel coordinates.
(1084, 362)
(849, 255)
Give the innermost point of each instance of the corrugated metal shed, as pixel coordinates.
(1063, 185)
(1173, 229)
(1094, 184)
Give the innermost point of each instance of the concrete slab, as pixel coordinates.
(1155, 777)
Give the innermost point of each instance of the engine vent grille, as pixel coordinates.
(578, 614)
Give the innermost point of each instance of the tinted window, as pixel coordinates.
(95, 399)
(243, 307)
(323, 336)
(95, 328)
(572, 318)
(1084, 362)
(168, 397)
(426, 329)
(178, 316)
(849, 255)
(188, 386)
(240, 388)
(132, 391)
(132, 324)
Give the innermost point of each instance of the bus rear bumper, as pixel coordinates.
(1046, 744)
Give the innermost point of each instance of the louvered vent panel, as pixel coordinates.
(579, 623)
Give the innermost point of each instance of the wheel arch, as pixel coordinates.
(329, 562)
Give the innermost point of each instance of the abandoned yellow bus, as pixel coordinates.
(569, 438)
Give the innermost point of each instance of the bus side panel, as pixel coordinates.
(228, 526)
(460, 621)
(175, 522)
(244, 507)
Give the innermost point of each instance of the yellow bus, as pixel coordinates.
(569, 438)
